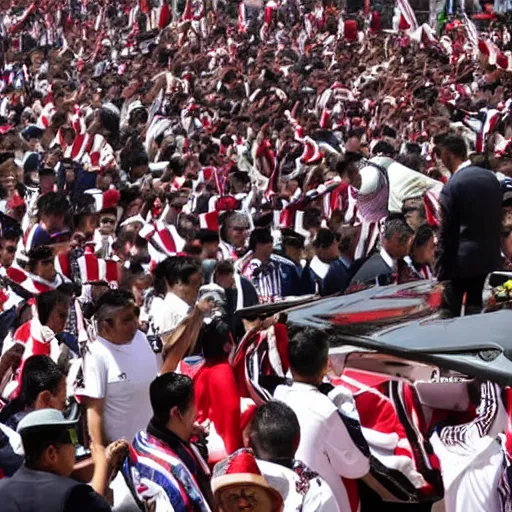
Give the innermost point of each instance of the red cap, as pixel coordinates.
(111, 198)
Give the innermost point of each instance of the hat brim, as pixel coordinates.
(50, 426)
(222, 483)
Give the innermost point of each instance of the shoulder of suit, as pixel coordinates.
(281, 259)
(471, 172)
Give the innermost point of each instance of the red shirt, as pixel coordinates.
(218, 400)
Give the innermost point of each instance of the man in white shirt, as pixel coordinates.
(473, 458)
(118, 369)
(402, 183)
(274, 435)
(328, 439)
(183, 277)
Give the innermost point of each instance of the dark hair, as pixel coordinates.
(207, 236)
(260, 236)
(112, 299)
(383, 148)
(324, 239)
(212, 338)
(159, 273)
(312, 218)
(40, 373)
(263, 219)
(308, 352)
(168, 391)
(292, 239)
(412, 161)
(274, 431)
(180, 268)
(36, 441)
(481, 160)
(130, 275)
(192, 250)
(11, 234)
(423, 234)
(224, 267)
(455, 144)
(46, 303)
(123, 238)
(37, 254)
(54, 203)
(396, 225)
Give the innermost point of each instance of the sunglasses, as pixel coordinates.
(107, 220)
(10, 249)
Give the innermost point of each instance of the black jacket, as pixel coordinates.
(373, 271)
(38, 491)
(469, 238)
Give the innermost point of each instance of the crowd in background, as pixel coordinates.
(163, 166)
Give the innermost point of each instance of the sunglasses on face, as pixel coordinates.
(10, 249)
(107, 220)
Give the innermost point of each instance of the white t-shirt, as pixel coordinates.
(121, 374)
(167, 314)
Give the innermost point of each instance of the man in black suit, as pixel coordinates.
(469, 239)
(381, 267)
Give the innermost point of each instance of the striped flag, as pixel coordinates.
(408, 14)
(472, 32)
(242, 18)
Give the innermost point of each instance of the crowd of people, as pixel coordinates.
(165, 165)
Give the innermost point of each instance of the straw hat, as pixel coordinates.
(241, 470)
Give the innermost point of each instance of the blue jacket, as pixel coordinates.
(295, 279)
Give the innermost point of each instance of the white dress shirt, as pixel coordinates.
(388, 260)
(467, 163)
(325, 444)
(317, 498)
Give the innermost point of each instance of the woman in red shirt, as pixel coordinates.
(216, 392)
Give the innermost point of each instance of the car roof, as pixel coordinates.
(403, 321)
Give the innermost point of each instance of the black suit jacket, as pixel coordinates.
(469, 238)
(371, 269)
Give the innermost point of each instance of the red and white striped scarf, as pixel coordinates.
(92, 268)
(164, 238)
